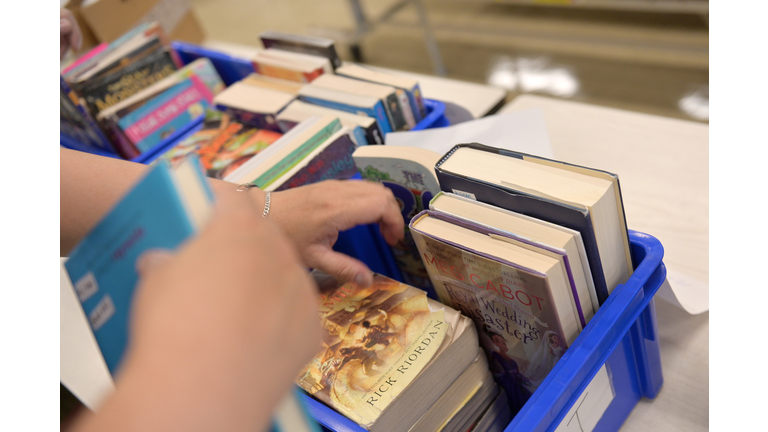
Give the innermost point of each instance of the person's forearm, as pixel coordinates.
(91, 185)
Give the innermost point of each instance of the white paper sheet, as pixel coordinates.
(522, 131)
(689, 294)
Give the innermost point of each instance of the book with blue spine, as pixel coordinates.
(167, 112)
(165, 208)
(352, 103)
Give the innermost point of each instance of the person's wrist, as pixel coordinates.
(262, 199)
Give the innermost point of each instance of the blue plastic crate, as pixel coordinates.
(622, 336)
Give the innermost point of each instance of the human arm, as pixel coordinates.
(311, 216)
(219, 331)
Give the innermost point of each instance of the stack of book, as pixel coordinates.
(136, 93)
(527, 247)
(393, 359)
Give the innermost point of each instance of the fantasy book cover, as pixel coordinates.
(376, 340)
(222, 144)
(414, 186)
(513, 311)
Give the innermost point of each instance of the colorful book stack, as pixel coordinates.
(393, 359)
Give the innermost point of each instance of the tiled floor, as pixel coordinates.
(644, 61)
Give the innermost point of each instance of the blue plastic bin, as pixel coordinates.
(622, 336)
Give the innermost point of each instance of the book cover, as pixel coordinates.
(333, 162)
(413, 183)
(395, 112)
(165, 208)
(556, 241)
(376, 340)
(303, 44)
(573, 217)
(162, 115)
(109, 89)
(222, 144)
(77, 123)
(521, 327)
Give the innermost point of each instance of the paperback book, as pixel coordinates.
(222, 144)
(409, 173)
(389, 354)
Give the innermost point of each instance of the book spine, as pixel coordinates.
(402, 98)
(416, 109)
(334, 162)
(418, 97)
(296, 156)
(373, 134)
(359, 134)
(377, 112)
(395, 112)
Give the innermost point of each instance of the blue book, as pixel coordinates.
(165, 208)
(352, 103)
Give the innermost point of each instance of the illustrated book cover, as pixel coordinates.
(388, 353)
(520, 301)
(409, 173)
(222, 144)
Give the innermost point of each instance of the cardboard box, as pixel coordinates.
(109, 19)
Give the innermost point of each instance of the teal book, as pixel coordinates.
(164, 209)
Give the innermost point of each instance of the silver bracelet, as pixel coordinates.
(245, 186)
(266, 205)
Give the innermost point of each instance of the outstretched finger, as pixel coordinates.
(342, 267)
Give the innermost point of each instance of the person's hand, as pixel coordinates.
(69, 32)
(219, 330)
(313, 215)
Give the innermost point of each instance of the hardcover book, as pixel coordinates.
(559, 242)
(409, 173)
(313, 45)
(222, 144)
(562, 194)
(388, 353)
(520, 300)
